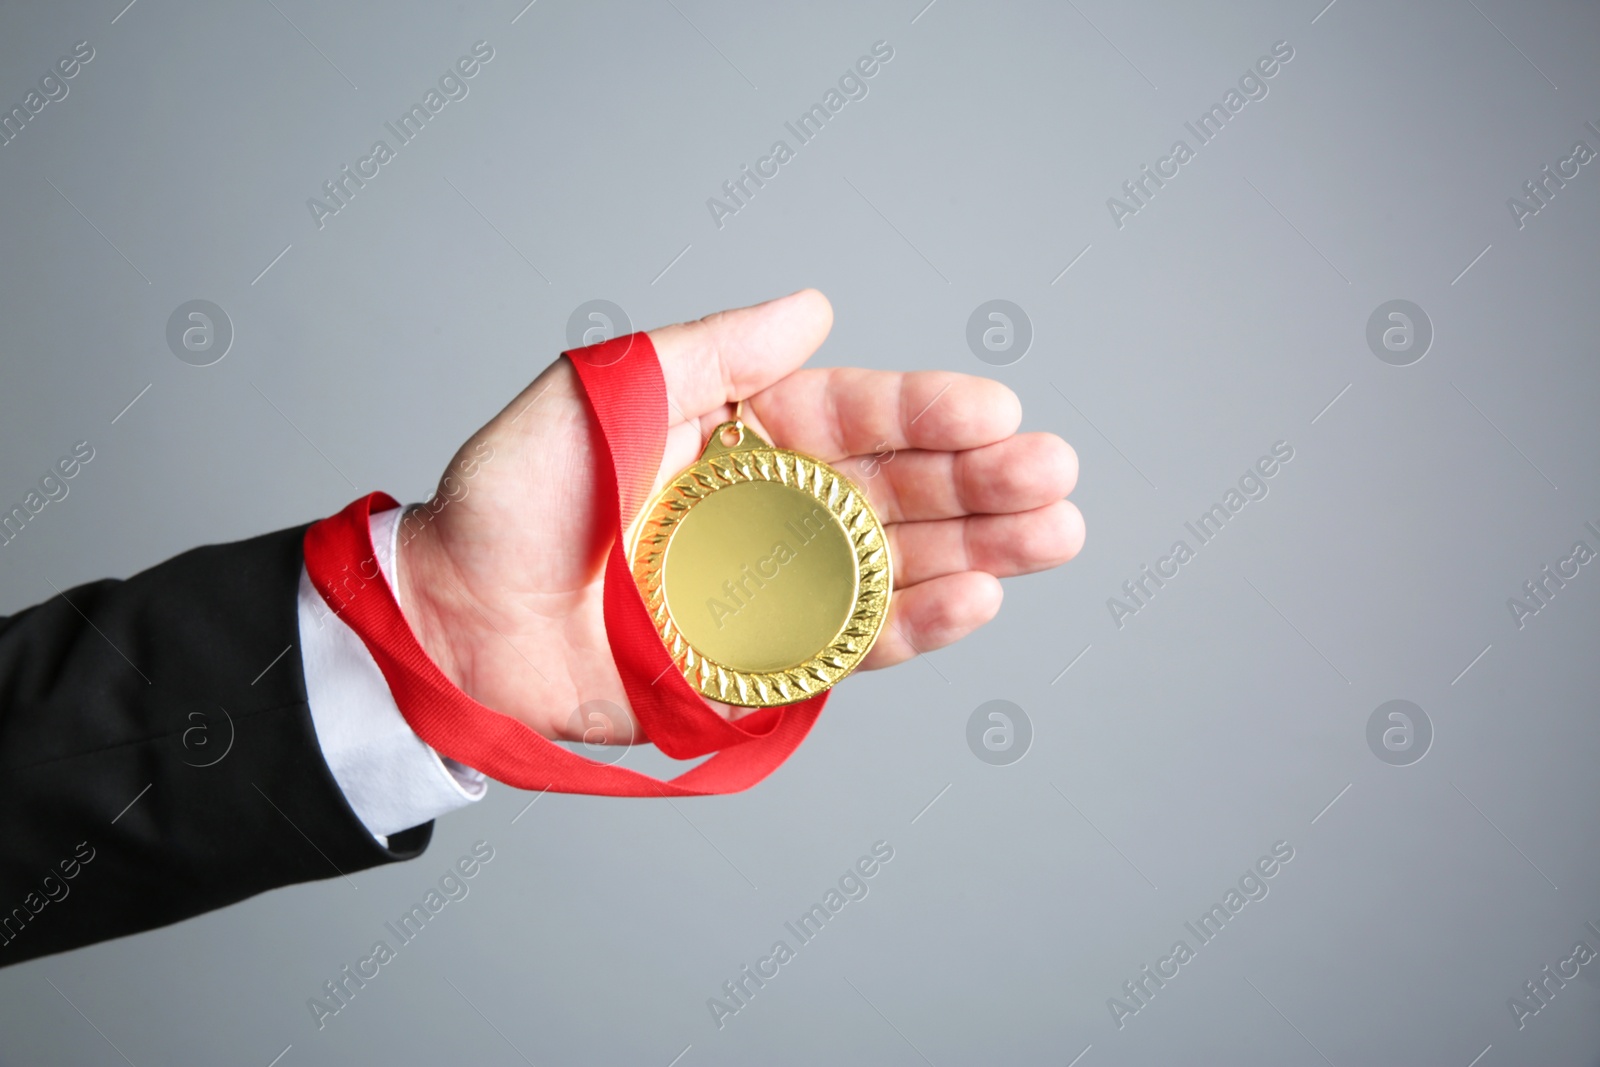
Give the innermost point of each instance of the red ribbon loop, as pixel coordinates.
(623, 381)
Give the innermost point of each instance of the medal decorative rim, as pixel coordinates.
(719, 467)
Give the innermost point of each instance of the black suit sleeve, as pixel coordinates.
(157, 755)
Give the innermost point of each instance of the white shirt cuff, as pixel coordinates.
(391, 778)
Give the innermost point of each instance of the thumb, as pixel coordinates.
(730, 355)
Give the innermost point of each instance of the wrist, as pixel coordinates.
(426, 588)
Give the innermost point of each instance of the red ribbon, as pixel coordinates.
(622, 379)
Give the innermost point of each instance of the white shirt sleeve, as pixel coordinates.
(392, 779)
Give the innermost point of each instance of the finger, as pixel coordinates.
(1018, 474)
(934, 614)
(732, 354)
(1001, 545)
(836, 412)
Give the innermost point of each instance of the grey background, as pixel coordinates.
(1222, 318)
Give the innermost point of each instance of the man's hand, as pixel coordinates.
(503, 585)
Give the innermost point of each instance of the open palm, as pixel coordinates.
(503, 586)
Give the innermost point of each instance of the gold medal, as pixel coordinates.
(766, 572)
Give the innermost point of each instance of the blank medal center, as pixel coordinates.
(759, 577)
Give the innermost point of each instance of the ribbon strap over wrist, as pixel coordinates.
(623, 382)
